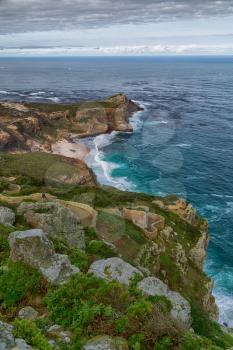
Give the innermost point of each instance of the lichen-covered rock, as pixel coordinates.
(180, 311)
(55, 220)
(7, 216)
(34, 248)
(20, 344)
(114, 269)
(7, 340)
(28, 313)
(104, 342)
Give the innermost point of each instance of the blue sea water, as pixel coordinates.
(182, 142)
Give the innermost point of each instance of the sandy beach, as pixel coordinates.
(70, 149)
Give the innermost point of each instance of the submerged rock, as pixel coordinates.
(104, 342)
(180, 311)
(34, 248)
(7, 216)
(55, 220)
(114, 269)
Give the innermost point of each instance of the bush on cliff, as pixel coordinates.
(17, 281)
(29, 331)
(91, 306)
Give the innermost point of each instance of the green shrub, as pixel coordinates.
(16, 282)
(193, 342)
(207, 328)
(136, 340)
(31, 334)
(74, 304)
(121, 324)
(100, 249)
(91, 306)
(163, 344)
(139, 308)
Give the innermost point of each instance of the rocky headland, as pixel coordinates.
(91, 267)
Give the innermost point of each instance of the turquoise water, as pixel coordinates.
(182, 141)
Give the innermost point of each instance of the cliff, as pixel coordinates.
(36, 126)
(92, 267)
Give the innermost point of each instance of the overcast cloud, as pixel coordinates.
(107, 24)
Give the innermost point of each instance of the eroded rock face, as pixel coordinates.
(181, 310)
(33, 248)
(7, 216)
(104, 342)
(56, 220)
(114, 269)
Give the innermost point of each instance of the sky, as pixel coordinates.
(116, 27)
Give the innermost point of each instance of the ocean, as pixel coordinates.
(182, 142)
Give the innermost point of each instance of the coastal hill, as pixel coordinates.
(91, 267)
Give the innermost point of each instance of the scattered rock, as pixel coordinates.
(104, 342)
(7, 216)
(28, 313)
(181, 310)
(114, 269)
(33, 248)
(7, 340)
(20, 344)
(57, 331)
(55, 220)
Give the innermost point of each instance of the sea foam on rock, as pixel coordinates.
(34, 248)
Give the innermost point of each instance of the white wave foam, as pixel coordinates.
(102, 168)
(54, 99)
(3, 92)
(183, 145)
(225, 304)
(37, 93)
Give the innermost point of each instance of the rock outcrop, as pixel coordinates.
(114, 269)
(57, 221)
(33, 248)
(7, 216)
(180, 311)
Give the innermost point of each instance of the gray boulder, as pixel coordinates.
(114, 269)
(180, 311)
(57, 221)
(7, 340)
(28, 313)
(104, 342)
(20, 344)
(34, 248)
(7, 216)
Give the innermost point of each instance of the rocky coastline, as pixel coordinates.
(92, 267)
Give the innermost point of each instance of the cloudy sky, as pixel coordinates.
(110, 27)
